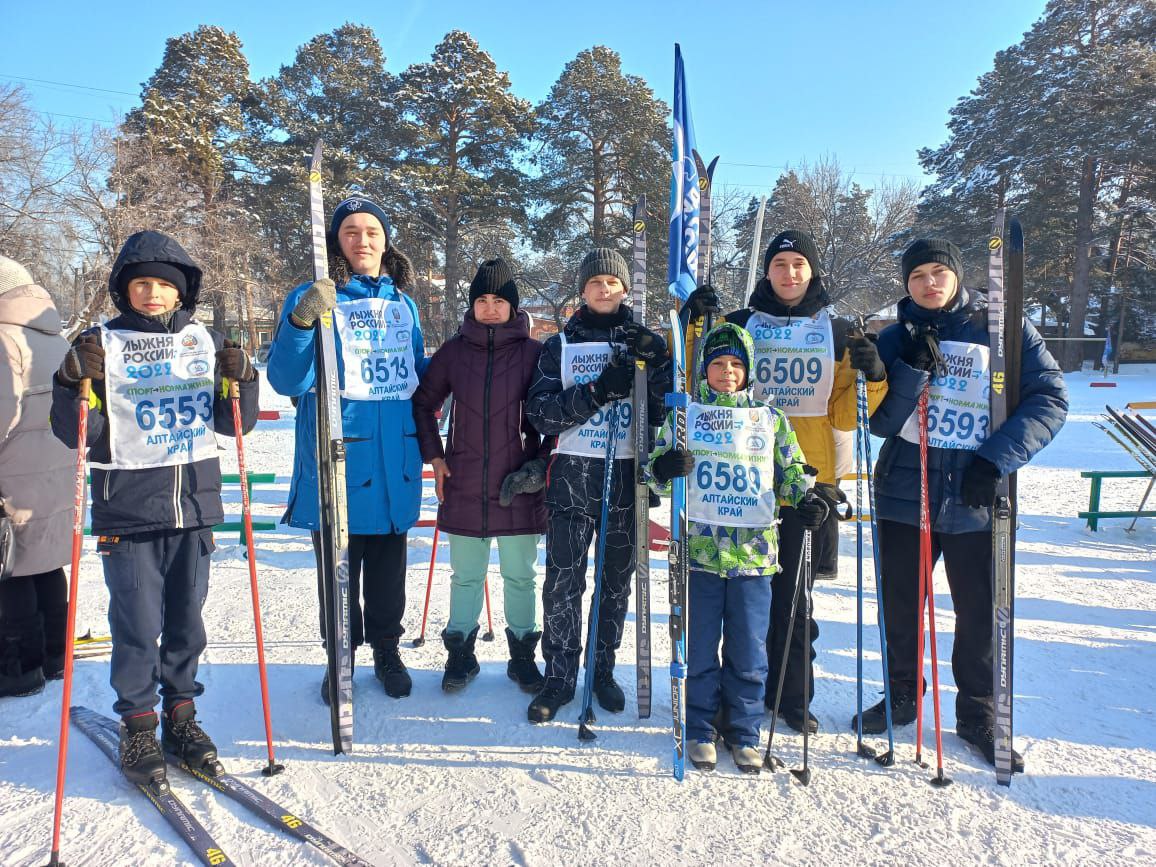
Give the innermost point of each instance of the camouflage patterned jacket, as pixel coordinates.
(739, 551)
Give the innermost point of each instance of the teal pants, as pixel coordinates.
(518, 561)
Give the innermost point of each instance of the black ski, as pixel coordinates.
(696, 331)
(159, 794)
(244, 794)
(678, 554)
(331, 488)
(641, 424)
(1005, 329)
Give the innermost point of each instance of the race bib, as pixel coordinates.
(581, 364)
(376, 349)
(159, 390)
(733, 481)
(794, 362)
(958, 402)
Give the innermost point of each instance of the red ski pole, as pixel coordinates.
(924, 556)
(433, 556)
(247, 516)
(489, 636)
(70, 629)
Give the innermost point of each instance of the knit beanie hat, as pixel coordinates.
(494, 278)
(13, 274)
(724, 341)
(927, 250)
(793, 241)
(356, 205)
(159, 270)
(603, 260)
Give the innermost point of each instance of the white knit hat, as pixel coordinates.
(13, 274)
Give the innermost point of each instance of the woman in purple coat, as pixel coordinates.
(490, 474)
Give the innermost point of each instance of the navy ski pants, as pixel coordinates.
(377, 570)
(157, 585)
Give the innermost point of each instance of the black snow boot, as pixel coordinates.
(545, 705)
(981, 736)
(184, 738)
(522, 669)
(390, 670)
(875, 717)
(793, 717)
(141, 760)
(325, 679)
(461, 665)
(21, 657)
(608, 692)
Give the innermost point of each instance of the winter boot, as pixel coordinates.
(462, 665)
(703, 755)
(325, 679)
(21, 657)
(981, 736)
(141, 760)
(875, 717)
(609, 693)
(793, 716)
(184, 738)
(522, 669)
(747, 759)
(390, 670)
(545, 705)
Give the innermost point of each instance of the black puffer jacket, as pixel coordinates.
(160, 498)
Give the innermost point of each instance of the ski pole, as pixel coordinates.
(860, 391)
(489, 636)
(79, 502)
(587, 715)
(803, 775)
(939, 779)
(433, 556)
(272, 768)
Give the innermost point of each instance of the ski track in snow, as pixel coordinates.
(464, 779)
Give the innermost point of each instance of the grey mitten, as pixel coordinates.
(319, 298)
(527, 479)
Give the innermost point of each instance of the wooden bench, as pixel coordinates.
(1094, 515)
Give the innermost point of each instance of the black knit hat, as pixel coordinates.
(932, 250)
(494, 277)
(356, 205)
(603, 260)
(793, 241)
(159, 270)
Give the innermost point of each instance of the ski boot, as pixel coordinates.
(21, 672)
(546, 703)
(875, 717)
(747, 759)
(141, 760)
(608, 692)
(462, 665)
(522, 669)
(182, 737)
(703, 755)
(981, 736)
(390, 670)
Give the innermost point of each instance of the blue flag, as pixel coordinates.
(682, 263)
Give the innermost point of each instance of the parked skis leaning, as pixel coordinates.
(677, 554)
(641, 491)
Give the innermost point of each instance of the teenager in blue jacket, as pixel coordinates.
(942, 335)
(381, 356)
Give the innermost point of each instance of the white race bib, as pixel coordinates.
(159, 397)
(794, 362)
(581, 364)
(377, 349)
(959, 402)
(733, 480)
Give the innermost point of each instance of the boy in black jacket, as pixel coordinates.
(160, 389)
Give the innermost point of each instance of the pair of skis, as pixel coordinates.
(102, 730)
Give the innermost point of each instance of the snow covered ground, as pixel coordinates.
(464, 779)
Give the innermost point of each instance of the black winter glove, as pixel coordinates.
(527, 479)
(644, 343)
(865, 357)
(85, 360)
(702, 301)
(674, 464)
(979, 481)
(812, 511)
(922, 351)
(834, 497)
(233, 363)
(614, 383)
(319, 298)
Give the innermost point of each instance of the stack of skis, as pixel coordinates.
(1133, 433)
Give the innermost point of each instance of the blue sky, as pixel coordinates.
(869, 82)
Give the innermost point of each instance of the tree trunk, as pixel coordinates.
(1073, 357)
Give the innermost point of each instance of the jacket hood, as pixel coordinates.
(30, 307)
(727, 332)
(154, 247)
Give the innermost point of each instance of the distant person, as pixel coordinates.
(942, 329)
(490, 474)
(37, 482)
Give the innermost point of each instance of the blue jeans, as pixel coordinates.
(737, 612)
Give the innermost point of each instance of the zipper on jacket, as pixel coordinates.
(486, 433)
